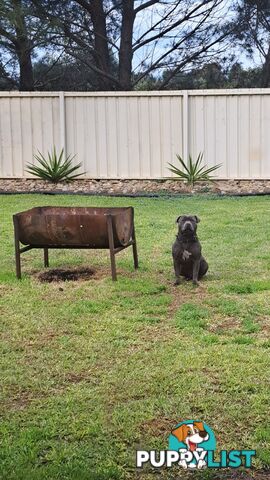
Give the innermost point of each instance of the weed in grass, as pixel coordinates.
(241, 340)
(240, 288)
(8, 278)
(225, 306)
(243, 288)
(191, 316)
(249, 325)
(262, 434)
(263, 455)
(210, 339)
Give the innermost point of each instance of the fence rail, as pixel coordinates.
(136, 134)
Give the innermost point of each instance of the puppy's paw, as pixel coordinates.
(177, 282)
(183, 464)
(201, 464)
(195, 283)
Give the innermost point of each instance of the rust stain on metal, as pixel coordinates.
(75, 227)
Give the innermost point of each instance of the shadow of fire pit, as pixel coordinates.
(63, 275)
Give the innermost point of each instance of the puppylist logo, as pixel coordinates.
(192, 445)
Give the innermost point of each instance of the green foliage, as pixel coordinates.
(55, 168)
(193, 172)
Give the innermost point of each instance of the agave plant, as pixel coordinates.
(193, 172)
(54, 168)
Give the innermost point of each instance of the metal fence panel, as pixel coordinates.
(136, 134)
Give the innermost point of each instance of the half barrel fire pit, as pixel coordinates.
(75, 227)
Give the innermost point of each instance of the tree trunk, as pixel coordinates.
(101, 42)
(26, 70)
(126, 52)
(23, 48)
(265, 80)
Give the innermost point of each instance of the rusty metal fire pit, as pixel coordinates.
(75, 227)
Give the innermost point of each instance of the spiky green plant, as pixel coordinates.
(193, 172)
(55, 168)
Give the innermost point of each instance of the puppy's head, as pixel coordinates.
(187, 223)
(191, 434)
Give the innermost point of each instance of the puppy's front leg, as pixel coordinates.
(195, 273)
(177, 270)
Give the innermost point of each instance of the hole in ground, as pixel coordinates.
(66, 275)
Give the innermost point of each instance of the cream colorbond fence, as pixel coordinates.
(135, 134)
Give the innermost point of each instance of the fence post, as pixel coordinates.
(62, 114)
(185, 126)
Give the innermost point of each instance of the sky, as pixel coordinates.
(149, 17)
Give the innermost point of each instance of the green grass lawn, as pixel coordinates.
(93, 370)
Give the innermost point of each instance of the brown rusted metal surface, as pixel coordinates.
(70, 226)
(75, 227)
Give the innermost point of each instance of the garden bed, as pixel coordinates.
(135, 187)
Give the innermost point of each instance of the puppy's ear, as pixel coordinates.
(197, 219)
(199, 425)
(178, 219)
(180, 433)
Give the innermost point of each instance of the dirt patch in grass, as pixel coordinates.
(66, 275)
(73, 377)
(151, 334)
(20, 400)
(158, 427)
(225, 325)
(181, 295)
(45, 338)
(264, 322)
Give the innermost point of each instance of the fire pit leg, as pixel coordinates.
(111, 245)
(134, 248)
(17, 249)
(46, 257)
